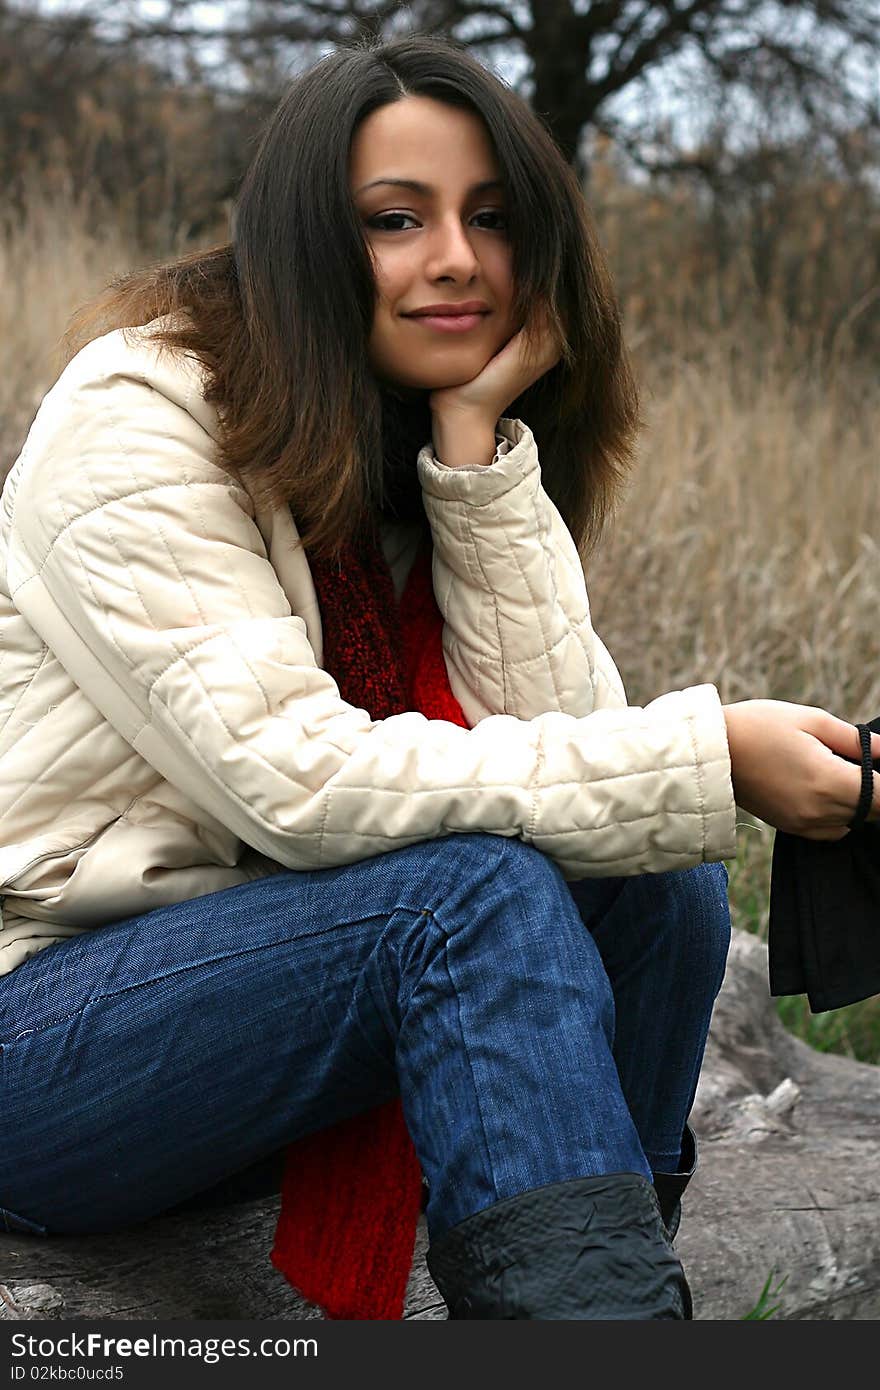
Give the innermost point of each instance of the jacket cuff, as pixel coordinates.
(712, 756)
(515, 458)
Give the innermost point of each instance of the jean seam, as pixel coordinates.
(488, 1156)
(362, 984)
(144, 984)
(209, 960)
(502, 856)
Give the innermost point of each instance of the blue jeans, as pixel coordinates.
(536, 1030)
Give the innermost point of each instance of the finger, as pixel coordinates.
(848, 793)
(843, 738)
(875, 748)
(541, 357)
(534, 341)
(838, 787)
(543, 345)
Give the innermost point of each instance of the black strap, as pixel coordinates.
(866, 795)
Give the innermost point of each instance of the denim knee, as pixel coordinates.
(507, 910)
(703, 918)
(476, 868)
(521, 863)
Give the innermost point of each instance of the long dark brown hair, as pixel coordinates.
(281, 317)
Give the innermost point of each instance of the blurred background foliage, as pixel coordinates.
(742, 137)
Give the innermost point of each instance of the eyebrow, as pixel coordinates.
(425, 188)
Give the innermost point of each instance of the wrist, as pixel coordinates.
(462, 440)
(730, 723)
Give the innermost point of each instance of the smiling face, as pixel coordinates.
(430, 196)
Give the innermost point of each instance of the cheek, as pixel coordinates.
(393, 279)
(384, 349)
(382, 307)
(498, 268)
(391, 275)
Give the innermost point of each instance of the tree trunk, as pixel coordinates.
(558, 48)
(789, 1180)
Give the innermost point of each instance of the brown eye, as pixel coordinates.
(497, 218)
(383, 221)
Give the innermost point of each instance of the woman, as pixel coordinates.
(333, 863)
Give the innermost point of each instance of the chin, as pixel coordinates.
(442, 381)
(453, 373)
(448, 364)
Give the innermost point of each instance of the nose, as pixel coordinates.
(451, 255)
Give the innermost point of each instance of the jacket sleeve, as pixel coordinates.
(137, 560)
(509, 582)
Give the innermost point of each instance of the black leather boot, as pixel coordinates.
(590, 1248)
(670, 1186)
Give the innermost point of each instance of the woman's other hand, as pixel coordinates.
(789, 769)
(464, 417)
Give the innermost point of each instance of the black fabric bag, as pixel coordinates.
(824, 932)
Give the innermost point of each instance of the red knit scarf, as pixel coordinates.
(351, 1194)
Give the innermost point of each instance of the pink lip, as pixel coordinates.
(454, 307)
(449, 323)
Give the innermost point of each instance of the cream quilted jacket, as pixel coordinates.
(166, 727)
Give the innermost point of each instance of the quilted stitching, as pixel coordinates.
(245, 725)
(564, 660)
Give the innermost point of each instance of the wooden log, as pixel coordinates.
(211, 1264)
(789, 1179)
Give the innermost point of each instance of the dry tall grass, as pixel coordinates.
(747, 553)
(63, 251)
(747, 549)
